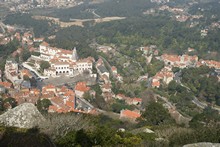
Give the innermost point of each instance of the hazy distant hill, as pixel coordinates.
(108, 8)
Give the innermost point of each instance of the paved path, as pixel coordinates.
(93, 12)
(203, 105)
(2, 27)
(33, 70)
(58, 81)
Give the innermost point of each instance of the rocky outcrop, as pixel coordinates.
(25, 115)
(203, 144)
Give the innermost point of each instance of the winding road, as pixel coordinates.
(195, 100)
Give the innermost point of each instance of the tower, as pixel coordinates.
(74, 55)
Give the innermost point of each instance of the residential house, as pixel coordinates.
(17, 36)
(128, 100)
(63, 104)
(27, 37)
(114, 70)
(107, 96)
(181, 18)
(49, 88)
(104, 79)
(119, 78)
(11, 71)
(120, 96)
(146, 50)
(136, 101)
(133, 101)
(155, 83)
(81, 88)
(38, 39)
(47, 95)
(106, 88)
(25, 95)
(165, 75)
(102, 70)
(130, 115)
(6, 85)
(104, 49)
(179, 61)
(211, 63)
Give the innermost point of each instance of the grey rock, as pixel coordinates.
(203, 144)
(25, 115)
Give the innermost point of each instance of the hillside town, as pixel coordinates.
(109, 73)
(20, 81)
(20, 6)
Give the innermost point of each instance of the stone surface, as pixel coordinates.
(203, 144)
(25, 115)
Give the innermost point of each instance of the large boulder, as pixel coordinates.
(25, 115)
(203, 144)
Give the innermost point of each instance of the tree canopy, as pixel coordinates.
(155, 114)
(44, 65)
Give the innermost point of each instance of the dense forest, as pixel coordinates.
(40, 27)
(136, 30)
(170, 36)
(123, 8)
(203, 84)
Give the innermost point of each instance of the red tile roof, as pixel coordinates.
(49, 88)
(69, 93)
(81, 86)
(47, 95)
(44, 44)
(6, 84)
(66, 51)
(57, 100)
(129, 114)
(71, 98)
(156, 84)
(114, 68)
(70, 104)
(172, 58)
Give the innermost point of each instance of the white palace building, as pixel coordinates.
(64, 62)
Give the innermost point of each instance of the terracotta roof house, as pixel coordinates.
(130, 115)
(81, 88)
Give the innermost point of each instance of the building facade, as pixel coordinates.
(64, 62)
